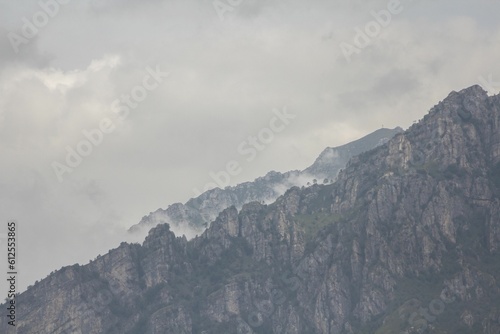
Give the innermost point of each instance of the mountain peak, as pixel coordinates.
(474, 90)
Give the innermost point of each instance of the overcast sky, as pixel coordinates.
(68, 69)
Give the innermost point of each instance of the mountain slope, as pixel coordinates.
(405, 241)
(333, 159)
(198, 212)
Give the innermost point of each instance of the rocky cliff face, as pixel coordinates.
(198, 212)
(407, 240)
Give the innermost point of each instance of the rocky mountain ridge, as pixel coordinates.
(198, 212)
(407, 240)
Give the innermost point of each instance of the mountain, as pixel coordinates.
(198, 212)
(333, 159)
(407, 240)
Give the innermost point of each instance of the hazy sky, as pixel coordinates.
(99, 67)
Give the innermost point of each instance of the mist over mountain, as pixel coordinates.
(405, 241)
(194, 216)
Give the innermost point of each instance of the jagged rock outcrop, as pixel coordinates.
(198, 212)
(406, 240)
